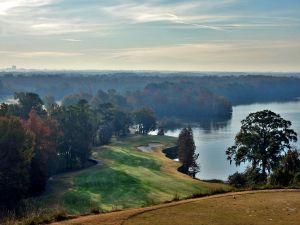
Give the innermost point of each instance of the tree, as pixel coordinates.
(103, 120)
(16, 152)
(4, 109)
(73, 99)
(289, 167)
(145, 120)
(263, 137)
(237, 180)
(103, 134)
(44, 148)
(291, 162)
(186, 152)
(75, 124)
(50, 104)
(121, 122)
(194, 168)
(161, 131)
(27, 102)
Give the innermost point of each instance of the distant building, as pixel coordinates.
(14, 68)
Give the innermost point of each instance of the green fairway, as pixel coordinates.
(126, 178)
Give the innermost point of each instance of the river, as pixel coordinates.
(212, 140)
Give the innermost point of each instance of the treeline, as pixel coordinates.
(238, 89)
(167, 100)
(181, 100)
(252, 89)
(60, 84)
(40, 139)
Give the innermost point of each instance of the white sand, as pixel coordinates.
(150, 147)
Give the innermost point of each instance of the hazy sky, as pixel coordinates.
(194, 35)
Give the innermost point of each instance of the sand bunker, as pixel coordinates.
(150, 147)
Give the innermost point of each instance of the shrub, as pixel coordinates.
(297, 178)
(237, 180)
(254, 176)
(280, 177)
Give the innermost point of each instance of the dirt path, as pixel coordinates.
(118, 218)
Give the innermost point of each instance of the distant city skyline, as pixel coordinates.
(157, 35)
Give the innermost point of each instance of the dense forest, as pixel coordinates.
(254, 87)
(181, 100)
(40, 139)
(184, 96)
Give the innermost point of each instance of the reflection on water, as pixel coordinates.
(207, 124)
(214, 137)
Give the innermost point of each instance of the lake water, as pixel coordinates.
(212, 141)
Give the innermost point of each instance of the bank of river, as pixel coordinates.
(214, 138)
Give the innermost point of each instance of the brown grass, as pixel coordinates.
(242, 208)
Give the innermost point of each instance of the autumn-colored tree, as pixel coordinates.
(186, 152)
(44, 147)
(16, 152)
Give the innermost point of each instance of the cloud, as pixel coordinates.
(195, 14)
(71, 40)
(48, 17)
(177, 13)
(223, 55)
(44, 17)
(39, 54)
(7, 5)
(47, 27)
(247, 55)
(60, 27)
(147, 33)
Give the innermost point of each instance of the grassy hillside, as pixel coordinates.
(126, 178)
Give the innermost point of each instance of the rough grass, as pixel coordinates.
(128, 178)
(259, 209)
(34, 212)
(249, 207)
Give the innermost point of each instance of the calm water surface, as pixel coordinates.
(212, 140)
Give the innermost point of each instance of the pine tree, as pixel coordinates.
(186, 152)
